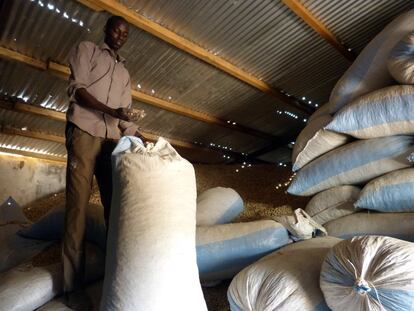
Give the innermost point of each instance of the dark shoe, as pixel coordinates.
(78, 301)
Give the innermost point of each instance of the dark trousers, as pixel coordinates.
(87, 156)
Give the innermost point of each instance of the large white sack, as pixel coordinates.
(14, 249)
(50, 227)
(218, 206)
(393, 192)
(151, 259)
(224, 250)
(333, 203)
(370, 273)
(369, 71)
(401, 60)
(25, 288)
(286, 280)
(353, 164)
(397, 225)
(314, 141)
(385, 112)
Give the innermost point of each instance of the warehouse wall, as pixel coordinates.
(27, 179)
(39, 185)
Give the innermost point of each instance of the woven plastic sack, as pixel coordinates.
(50, 227)
(301, 226)
(14, 249)
(401, 60)
(286, 280)
(353, 164)
(314, 140)
(369, 71)
(370, 273)
(392, 192)
(27, 287)
(151, 259)
(333, 203)
(385, 112)
(224, 250)
(218, 206)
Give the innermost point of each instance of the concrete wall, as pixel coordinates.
(27, 179)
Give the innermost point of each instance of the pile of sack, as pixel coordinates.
(357, 151)
(157, 245)
(362, 274)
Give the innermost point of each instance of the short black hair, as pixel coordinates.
(113, 20)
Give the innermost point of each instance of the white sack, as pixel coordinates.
(151, 255)
(369, 71)
(371, 273)
(223, 250)
(353, 164)
(301, 226)
(333, 203)
(218, 206)
(397, 225)
(392, 192)
(385, 112)
(314, 141)
(286, 280)
(401, 60)
(25, 288)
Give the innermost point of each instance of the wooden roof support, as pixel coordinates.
(303, 13)
(60, 116)
(64, 71)
(116, 8)
(33, 134)
(36, 155)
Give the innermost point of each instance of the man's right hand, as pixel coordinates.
(122, 113)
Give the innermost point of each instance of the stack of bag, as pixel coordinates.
(357, 151)
(355, 154)
(225, 248)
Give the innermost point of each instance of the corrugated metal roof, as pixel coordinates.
(356, 22)
(32, 145)
(155, 65)
(264, 38)
(45, 90)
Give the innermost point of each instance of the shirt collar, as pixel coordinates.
(115, 55)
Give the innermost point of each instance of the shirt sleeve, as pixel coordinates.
(127, 128)
(80, 67)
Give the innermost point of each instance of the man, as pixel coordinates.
(98, 115)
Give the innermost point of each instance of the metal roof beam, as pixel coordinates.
(307, 16)
(182, 43)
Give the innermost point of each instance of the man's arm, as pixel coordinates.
(129, 128)
(84, 98)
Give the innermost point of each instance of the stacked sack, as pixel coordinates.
(224, 248)
(364, 138)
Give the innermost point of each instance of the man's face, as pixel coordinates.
(116, 35)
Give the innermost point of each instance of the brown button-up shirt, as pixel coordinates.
(102, 73)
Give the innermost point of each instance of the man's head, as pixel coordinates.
(116, 32)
